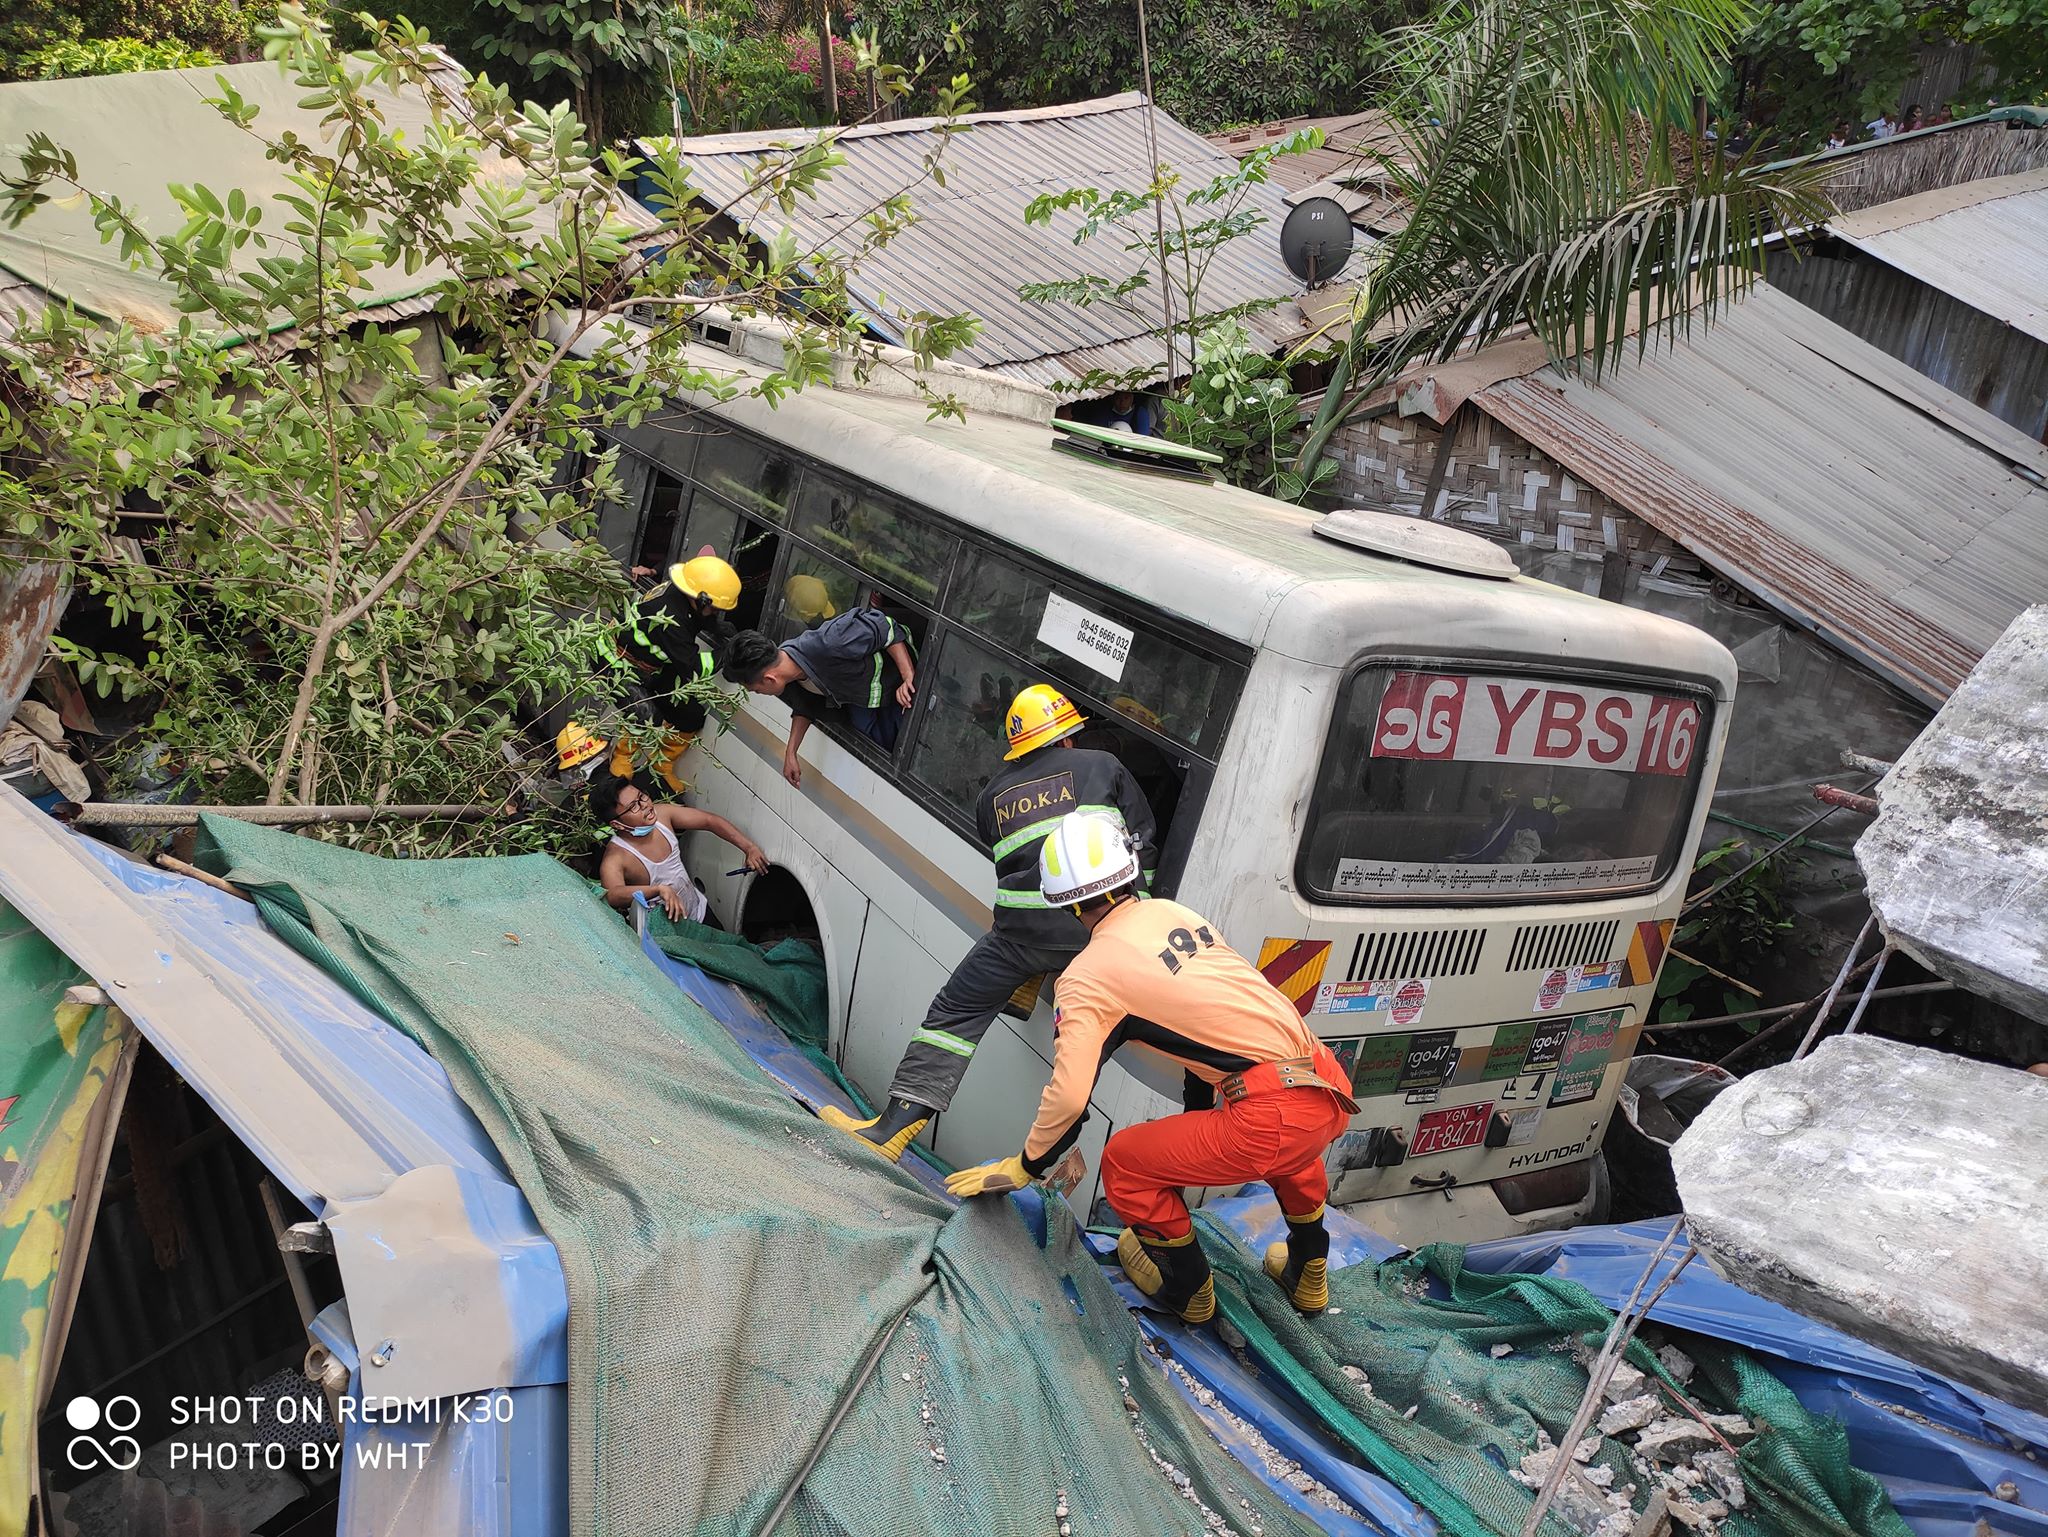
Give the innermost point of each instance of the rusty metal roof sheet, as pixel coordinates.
(970, 248)
(1858, 498)
(1345, 137)
(1984, 242)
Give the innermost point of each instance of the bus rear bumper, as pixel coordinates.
(1540, 1202)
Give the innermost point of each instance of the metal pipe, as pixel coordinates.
(132, 814)
(1770, 853)
(1828, 795)
(1869, 765)
(841, 1409)
(1782, 1025)
(1856, 1015)
(1828, 1004)
(1905, 990)
(1771, 832)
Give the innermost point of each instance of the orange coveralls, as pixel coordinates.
(1156, 977)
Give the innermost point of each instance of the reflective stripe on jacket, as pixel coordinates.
(1021, 805)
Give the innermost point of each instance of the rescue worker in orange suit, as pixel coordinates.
(672, 637)
(1279, 1095)
(1044, 777)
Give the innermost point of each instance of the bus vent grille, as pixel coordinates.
(1428, 953)
(1540, 946)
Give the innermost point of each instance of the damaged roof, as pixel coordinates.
(1858, 498)
(970, 249)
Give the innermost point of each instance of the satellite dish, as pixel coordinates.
(1315, 242)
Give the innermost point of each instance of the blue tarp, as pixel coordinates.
(1940, 1448)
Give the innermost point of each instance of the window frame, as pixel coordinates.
(1233, 658)
(1696, 687)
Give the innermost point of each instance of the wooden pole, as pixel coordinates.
(128, 814)
(179, 867)
(827, 74)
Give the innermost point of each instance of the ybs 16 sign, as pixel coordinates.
(1442, 716)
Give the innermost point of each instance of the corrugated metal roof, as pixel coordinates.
(1858, 498)
(970, 248)
(1985, 242)
(135, 135)
(1344, 137)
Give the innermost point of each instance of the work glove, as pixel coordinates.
(998, 1178)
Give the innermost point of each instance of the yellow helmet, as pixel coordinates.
(575, 747)
(808, 598)
(1040, 716)
(706, 576)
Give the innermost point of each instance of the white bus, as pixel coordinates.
(1449, 810)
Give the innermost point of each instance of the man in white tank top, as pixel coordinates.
(645, 856)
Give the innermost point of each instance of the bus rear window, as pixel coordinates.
(1451, 786)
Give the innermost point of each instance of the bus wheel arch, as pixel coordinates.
(777, 905)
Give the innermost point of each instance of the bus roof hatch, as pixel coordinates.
(1417, 541)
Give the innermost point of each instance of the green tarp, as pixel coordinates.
(1435, 1410)
(730, 1263)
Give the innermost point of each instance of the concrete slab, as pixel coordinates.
(1895, 1192)
(1957, 860)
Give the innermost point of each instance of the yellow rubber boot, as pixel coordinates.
(622, 757)
(673, 746)
(888, 1133)
(1301, 1265)
(1172, 1271)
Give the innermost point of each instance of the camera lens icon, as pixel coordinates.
(119, 1415)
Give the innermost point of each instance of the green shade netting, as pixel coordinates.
(729, 1262)
(1444, 1419)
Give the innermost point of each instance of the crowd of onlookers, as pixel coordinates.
(1885, 126)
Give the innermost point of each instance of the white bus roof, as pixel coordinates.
(1157, 538)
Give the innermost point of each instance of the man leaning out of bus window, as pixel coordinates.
(842, 665)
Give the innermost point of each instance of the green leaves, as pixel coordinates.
(356, 558)
(1544, 148)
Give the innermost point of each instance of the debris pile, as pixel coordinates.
(1652, 1467)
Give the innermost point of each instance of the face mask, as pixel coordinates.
(638, 832)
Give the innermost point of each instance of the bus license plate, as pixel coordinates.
(1445, 1131)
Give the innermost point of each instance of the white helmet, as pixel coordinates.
(1086, 855)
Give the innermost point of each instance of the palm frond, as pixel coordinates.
(1546, 151)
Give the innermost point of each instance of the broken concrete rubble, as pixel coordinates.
(1674, 1440)
(1957, 860)
(1631, 1414)
(1723, 1476)
(1626, 1383)
(1892, 1191)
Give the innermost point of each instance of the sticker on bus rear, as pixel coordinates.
(1561, 983)
(1400, 1000)
(1479, 719)
(1412, 877)
(1587, 1051)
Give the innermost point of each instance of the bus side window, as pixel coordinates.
(1160, 774)
(750, 475)
(1161, 682)
(660, 522)
(965, 692)
(877, 536)
(710, 523)
(753, 557)
(814, 589)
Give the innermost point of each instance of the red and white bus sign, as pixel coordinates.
(1450, 716)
